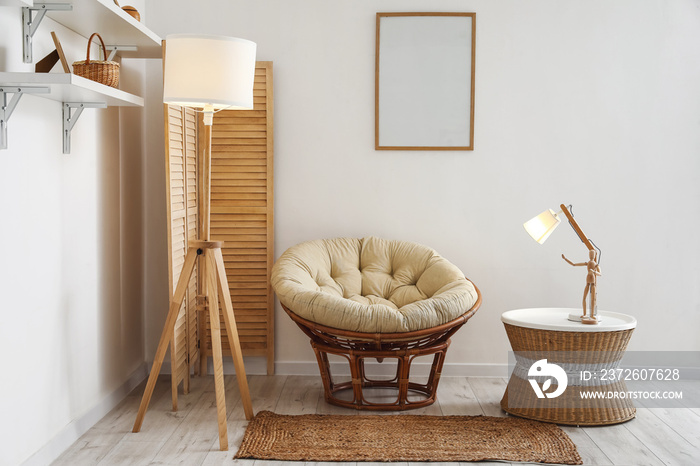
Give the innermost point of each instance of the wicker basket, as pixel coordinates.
(102, 71)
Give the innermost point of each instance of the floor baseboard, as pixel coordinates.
(257, 366)
(77, 427)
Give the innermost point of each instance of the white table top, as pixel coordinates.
(556, 318)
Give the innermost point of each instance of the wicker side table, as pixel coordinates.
(546, 333)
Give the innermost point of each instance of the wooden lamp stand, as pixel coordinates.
(209, 72)
(214, 286)
(540, 227)
(593, 271)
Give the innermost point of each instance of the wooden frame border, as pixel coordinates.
(376, 83)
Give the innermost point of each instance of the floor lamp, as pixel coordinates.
(210, 73)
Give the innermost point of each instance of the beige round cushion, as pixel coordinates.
(371, 285)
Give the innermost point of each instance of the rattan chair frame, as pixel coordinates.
(405, 347)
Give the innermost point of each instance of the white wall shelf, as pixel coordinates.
(74, 92)
(84, 17)
(121, 32)
(65, 87)
(114, 25)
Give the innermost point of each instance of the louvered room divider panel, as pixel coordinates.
(242, 215)
(181, 185)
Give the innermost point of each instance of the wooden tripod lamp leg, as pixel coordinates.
(168, 329)
(217, 353)
(232, 332)
(173, 374)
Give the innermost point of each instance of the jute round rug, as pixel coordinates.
(318, 437)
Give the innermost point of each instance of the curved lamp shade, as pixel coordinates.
(542, 226)
(209, 71)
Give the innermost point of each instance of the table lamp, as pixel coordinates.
(540, 227)
(210, 73)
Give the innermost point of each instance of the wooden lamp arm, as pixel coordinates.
(577, 228)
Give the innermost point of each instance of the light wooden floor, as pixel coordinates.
(189, 437)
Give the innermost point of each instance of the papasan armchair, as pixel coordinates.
(374, 298)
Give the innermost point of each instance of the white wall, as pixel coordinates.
(71, 275)
(593, 103)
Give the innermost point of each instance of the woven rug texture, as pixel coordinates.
(320, 437)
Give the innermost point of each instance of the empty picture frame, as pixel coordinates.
(424, 81)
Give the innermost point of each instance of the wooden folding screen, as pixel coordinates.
(241, 216)
(181, 184)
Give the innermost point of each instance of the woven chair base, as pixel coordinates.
(399, 387)
(355, 347)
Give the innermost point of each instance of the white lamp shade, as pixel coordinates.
(203, 70)
(542, 226)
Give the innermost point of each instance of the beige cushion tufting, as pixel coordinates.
(371, 285)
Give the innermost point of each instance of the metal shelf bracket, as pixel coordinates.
(30, 25)
(113, 49)
(6, 108)
(70, 118)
